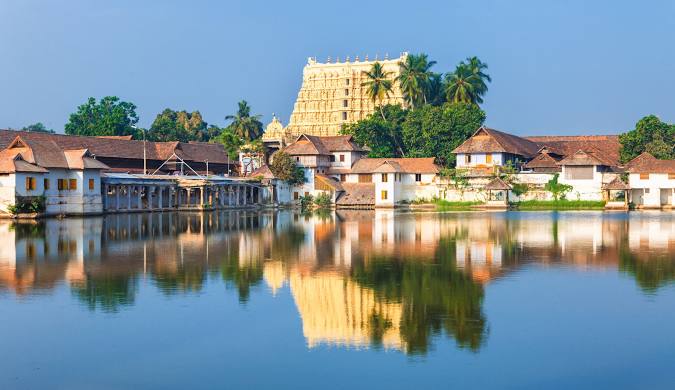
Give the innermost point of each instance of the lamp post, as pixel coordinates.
(145, 168)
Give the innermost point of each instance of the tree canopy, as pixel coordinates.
(248, 127)
(378, 84)
(109, 116)
(182, 126)
(468, 83)
(39, 127)
(428, 131)
(650, 135)
(284, 168)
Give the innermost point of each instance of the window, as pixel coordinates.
(343, 177)
(579, 172)
(45, 183)
(384, 195)
(646, 190)
(488, 158)
(297, 159)
(332, 158)
(91, 184)
(296, 196)
(644, 176)
(72, 184)
(306, 194)
(30, 184)
(342, 158)
(345, 103)
(346, 92)
(671, 176)
(346, 81)
(418, 177)
(62, 184)
(467, 159)
(385, 177)
(344, 115)
(365, 178)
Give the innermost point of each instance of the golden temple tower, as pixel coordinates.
(331, 95)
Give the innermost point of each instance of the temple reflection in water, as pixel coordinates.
(359, 279)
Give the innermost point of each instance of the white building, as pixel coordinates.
(652, 181)
(68, 181)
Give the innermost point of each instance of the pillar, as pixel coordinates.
(170, 196)
(139, 201)
(149, 191)
(128, 188)
(117, 197)
(160, 194)
(104, 198)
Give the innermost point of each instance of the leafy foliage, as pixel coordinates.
(182, 126)
(380, 135)
(415, 78)
(467, 84)
(39, 127)
(109, 116)
(650, 135)
(284, 168)
(27, 204)
(322, 201)
(246, 126)
(558, 190)
(230, 141)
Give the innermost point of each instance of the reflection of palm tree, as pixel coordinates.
(107, 292)
(242, 277)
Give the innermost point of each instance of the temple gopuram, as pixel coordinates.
(331, 96)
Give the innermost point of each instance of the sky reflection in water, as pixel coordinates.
(366, 298)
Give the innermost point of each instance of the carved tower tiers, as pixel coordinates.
(331, 95)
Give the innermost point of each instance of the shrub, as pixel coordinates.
(306, 202)
(323, 201)
(27, 204)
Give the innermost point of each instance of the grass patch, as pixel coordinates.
(560, 205)
(447, 205)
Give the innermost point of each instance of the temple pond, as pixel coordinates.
(345, 299)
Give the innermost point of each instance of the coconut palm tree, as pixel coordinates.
(379, 84)
(414, 78)
(468, 82)
(246, 126)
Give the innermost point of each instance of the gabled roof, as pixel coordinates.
(11, 161)
(82, 159)
(307, 144)
(497, 184)
(263, 171)
(119, 147)
(605, 147)
(646, 163)
(388, 167)
(405, 165)
(616, 184)
(330, 182)
(357, 194)
(581, 157)
(486, 140)
(542, 160)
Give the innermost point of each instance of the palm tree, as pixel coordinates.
(414, 78)
(379, 84)
(435, 93)
(245, 125)
(467, 83)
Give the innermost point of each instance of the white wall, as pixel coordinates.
(479, 159)
(650, 192)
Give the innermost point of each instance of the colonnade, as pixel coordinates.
(119, 197)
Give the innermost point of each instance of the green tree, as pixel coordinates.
(182, 126)
(468, 83)
(435, 93)
(379, 85)
(230, 141)
(38, 127)
(109, 116)
(436, 131)
(414, 78)
(382, 136)
(651, 135)
(248, 127)
(558, 190)
(284, 168)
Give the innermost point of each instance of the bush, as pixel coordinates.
(27, 204)
(306, 202)
(560, 204)
(519, 188)
(323, 201)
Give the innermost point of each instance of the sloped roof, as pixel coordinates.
(329, 181)
(486, 140)
(388, 167)
(81, 159)
(263, 171)
(605, 147)
(616, 184)
(340, 143)
(306, 144)
(357, 194)
(120, 147)
(497, 184)
(542, 160)
(405, 165)
(646, 163)
(581, 157)
(11, 162)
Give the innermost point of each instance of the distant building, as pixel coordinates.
(652, 181)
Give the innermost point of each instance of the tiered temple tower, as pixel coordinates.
(331, 95)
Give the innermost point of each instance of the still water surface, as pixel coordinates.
(350, 299)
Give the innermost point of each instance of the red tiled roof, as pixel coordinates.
(646, 163)
(605, 147)
(616, 184)
(11, 161)
(581, 157)
(542, 160)
(357, 194)
(486, 140)
(120, 147)
(263, 171)
(405, 165)
(497, 184)
(307, 144)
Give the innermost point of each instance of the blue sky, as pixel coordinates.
(558, 67)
